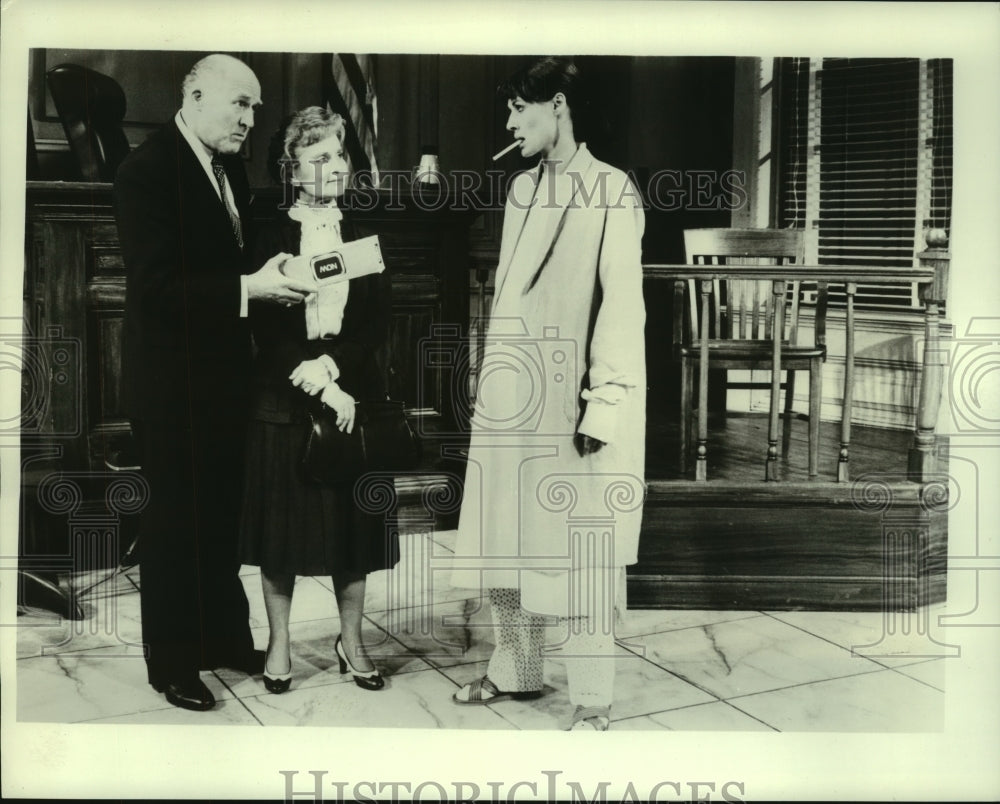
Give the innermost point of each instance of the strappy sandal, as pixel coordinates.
(483, 686)
(586, 718)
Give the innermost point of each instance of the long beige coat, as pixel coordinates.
(564, 352)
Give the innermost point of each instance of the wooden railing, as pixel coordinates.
(921, 463)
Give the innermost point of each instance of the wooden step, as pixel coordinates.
(817, 546)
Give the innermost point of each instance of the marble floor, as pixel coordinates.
(768, 671)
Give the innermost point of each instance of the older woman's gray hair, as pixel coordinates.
(300, 130)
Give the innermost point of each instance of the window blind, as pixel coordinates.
(942, 83)
(864, 150)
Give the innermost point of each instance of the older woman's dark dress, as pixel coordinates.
(291, 524)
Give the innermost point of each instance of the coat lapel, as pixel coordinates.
(515, 216)
(558, 198)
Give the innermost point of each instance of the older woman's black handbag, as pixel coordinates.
(382, 441)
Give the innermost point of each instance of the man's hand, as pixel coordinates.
(343, 403)
(586, 445)
(270, 285)
(312, 376)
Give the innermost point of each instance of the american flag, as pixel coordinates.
(349, 88)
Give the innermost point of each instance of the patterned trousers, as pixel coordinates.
(517, 661)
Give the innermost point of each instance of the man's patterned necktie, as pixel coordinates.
(234, 218)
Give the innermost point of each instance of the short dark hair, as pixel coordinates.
(541, 79)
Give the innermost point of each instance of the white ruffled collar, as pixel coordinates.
(322, 214)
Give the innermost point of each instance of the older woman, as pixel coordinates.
(290, 525)
(554, 488)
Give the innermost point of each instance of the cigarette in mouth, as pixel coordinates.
(506, 150)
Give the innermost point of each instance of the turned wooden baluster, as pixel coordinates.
(701, 467)
(843, 467)
(924, 449)
(678, 338)
(816, 380)
(777, 330)
(922, 453)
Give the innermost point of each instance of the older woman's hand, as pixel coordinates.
(312, 376)
(342, 403)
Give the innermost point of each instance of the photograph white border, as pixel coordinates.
(93, 761)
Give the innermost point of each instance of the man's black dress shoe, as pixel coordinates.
(188, 694)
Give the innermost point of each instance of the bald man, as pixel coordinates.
(181, 202)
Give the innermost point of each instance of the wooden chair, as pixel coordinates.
(91, 107)
(741, 318)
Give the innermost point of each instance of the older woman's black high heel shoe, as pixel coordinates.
(371, 680)
(277, 684)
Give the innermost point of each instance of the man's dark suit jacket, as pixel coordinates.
(186, 368)
(186, 347)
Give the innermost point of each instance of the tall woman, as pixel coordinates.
(554, 484)
(290, 525)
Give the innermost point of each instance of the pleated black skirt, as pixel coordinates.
(292, 525)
